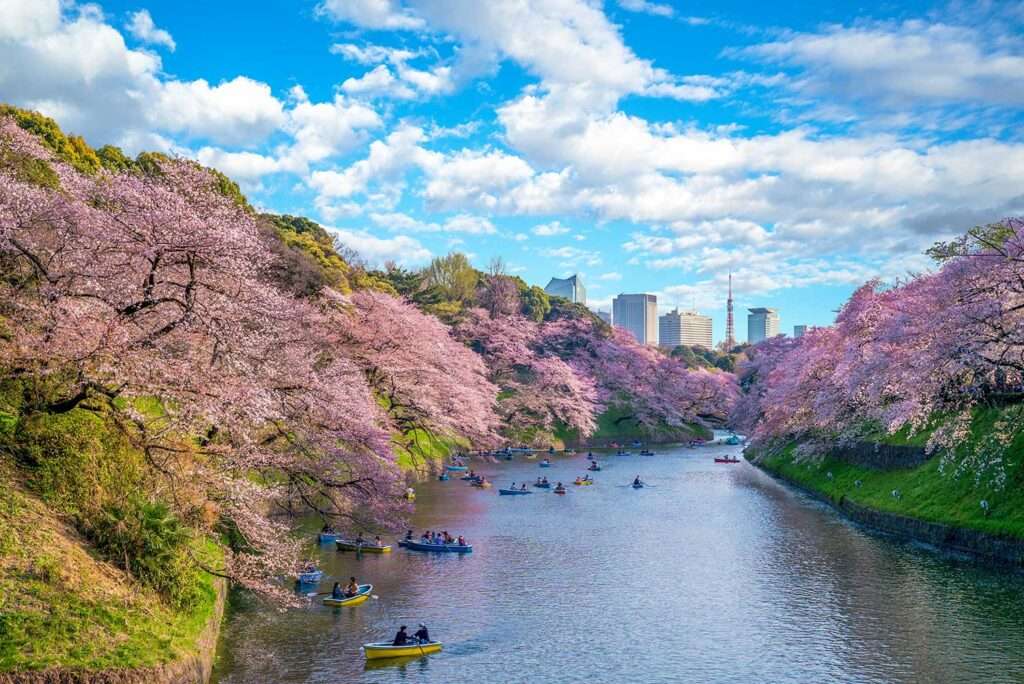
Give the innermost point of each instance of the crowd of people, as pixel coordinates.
(431, 537)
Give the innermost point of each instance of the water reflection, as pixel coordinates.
(715, 573)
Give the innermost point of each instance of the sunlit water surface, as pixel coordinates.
(715, 573)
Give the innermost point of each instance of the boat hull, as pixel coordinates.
(350, 545)
(311, 577)
(327, 537)
(362, 597)
(385, 650)
(437, 548)
(727, 460)
(456, 468)
(542, 485)
(514, 492)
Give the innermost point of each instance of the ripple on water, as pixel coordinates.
(714, 574)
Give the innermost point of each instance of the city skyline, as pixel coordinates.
(686, 146)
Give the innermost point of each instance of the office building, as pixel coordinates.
(637, 313)
(799, 330)
(570, 288)
(730, 335)
(684, 327)
(762, 323)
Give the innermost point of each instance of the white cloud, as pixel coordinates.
(611, 275)
(461, 223)
(374, 54)
(520, 237)
(646, 7)
(550, 229)
(373, 14)
(401, 249)
(572, 256)
(140, 24)
(239, 112)
(899, 64)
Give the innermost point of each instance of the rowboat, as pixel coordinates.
(559, 491)
(733, 440)
(456, 468)
(361, 597)
(594, 467)
(437, 548)
(443, 477)
(389, 650)
(483, 484)
(623, 453)
(638, 485)
(646, 452)
(542, 485)
(365, 547)
(327, 537)
(311, 577)
(545, 464)
(514, 492)
(727, 460)
(583, 483)
(469, 477)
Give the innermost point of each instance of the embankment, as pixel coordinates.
(917, 502)
(68, 617)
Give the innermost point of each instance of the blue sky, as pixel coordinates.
(650, 146)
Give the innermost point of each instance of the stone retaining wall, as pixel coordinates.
(1000, 550)
(880, 456)
(194, 669)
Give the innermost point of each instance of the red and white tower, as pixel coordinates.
(730, 338)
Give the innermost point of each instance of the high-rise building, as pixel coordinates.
(684, 327)
(799, 330)
(730, 333)
(637, 313)
(605, 316)
(571, 288)
(762, 323)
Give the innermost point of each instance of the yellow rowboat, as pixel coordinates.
(365, 547)
(362, 597)
(388, 650)
(583, 483)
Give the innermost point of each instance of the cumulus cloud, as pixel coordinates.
(550, 229)
(401, 249)
(646, 7)
(461, 223)
(900, 64)
(141, 25)
(373, 14)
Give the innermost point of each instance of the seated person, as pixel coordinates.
(336, 592)
(422, 635)
(401, 639)
(352, 588)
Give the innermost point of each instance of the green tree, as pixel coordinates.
(454, 276)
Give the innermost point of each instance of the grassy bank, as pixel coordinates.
(616, 424)
(925, 492)
(61, 606)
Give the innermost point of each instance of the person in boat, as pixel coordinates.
(408, 535)
(336, 592)
(352, 588)
(523, 488)
(377, 541)
(327, 529)
(462, 540)
(359, 539)
(636, 481)
(401, 638)
(309, 567)
(422, 635)
(545, 481)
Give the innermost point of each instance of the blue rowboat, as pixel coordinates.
(456, 468)
(312, 577)
(545, 464)
(444, 477)
(639, 485)
(514, 492)
(328, 537)
(542, 485)
(436, 548)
